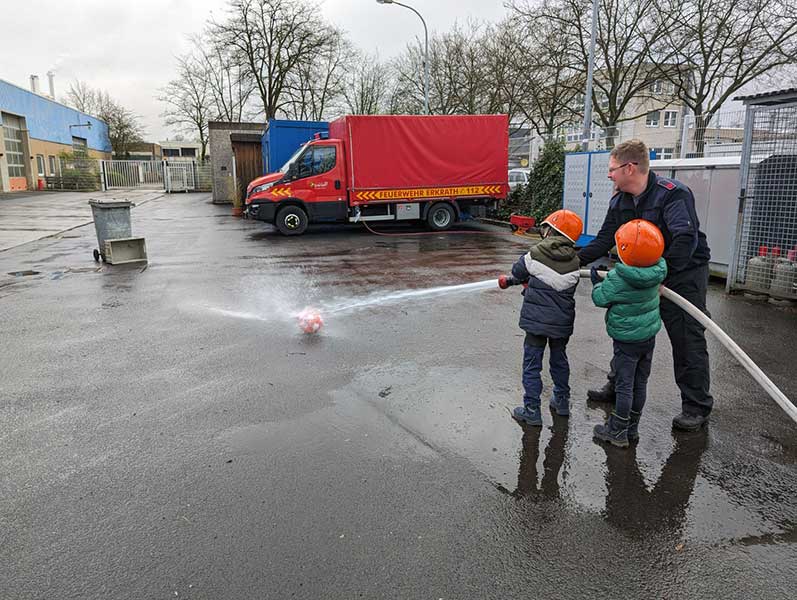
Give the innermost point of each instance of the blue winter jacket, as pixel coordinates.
(549, 304)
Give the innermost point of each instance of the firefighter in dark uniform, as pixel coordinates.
(670, 205)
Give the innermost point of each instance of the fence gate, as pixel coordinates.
(118, 174)
(765, 254)
(180, 176)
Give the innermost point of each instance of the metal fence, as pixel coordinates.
(765, 258)
(187, 176)
(171, 176)
(668, 132)
(117, 174)
(718, 134)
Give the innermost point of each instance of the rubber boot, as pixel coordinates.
(614, 431)
(633, 426)
(561, 406)
(605, 394)
(529, 415)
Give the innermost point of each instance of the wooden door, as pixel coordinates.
(248, 164)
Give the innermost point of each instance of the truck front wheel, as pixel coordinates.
(440, 217)
(291, 220)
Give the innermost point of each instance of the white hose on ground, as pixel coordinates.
(732, 347)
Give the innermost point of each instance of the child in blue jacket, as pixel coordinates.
(550, 274)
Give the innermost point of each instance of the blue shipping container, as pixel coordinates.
(282, 138)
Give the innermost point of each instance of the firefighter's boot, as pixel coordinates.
(605, 394)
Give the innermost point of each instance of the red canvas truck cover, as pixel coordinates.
(406, 156)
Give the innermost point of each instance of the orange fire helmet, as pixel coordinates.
(639, 243)
(566, 222)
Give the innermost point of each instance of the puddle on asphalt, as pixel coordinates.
(25, 273)
(666, 484)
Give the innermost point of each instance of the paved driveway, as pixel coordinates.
(28, 216)
(167, 432)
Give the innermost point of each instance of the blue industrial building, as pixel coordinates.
(36, 130)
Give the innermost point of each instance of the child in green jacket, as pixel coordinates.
(631, 293)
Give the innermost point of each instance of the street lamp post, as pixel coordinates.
(425, 52)
(590, 68)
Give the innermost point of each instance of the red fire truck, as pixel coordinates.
(437, 169)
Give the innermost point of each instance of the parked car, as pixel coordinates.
(518, 177)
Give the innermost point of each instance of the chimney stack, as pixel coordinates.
(34, 84)
(51, 80)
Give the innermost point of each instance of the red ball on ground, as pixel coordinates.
(310, 320)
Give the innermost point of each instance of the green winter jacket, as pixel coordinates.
(632, 296)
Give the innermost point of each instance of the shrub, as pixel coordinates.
(543, 194)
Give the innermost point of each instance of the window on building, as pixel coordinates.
(573, 135)
(80, 146)
(51, 160)
(171, 152)
(40, 165)
(656, 87)
(652, 119)
(662, 153)
(188, 151)
(670, 118)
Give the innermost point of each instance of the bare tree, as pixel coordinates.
(466, 68)
(624, 75)
(720, 46)
(274, 38)
(124, 128)
(506, 91)
(81, 96)
(367, 87)
(547, 73)
(469, 72)
(189, 99)
(228, 85)
(317, 85)
(407, 95)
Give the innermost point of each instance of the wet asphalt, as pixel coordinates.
(167, 432)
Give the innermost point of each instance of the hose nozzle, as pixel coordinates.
(504, 281)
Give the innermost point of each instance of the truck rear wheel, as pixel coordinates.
(440, 217)
(291, 220)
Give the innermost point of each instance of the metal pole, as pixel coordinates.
(426, 56)
(590, 68)
(737, 264)
(684, 134)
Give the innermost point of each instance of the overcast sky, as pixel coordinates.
(128, 48)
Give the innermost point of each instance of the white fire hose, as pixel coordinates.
(732, 347)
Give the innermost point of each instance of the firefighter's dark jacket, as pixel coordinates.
(670, 205)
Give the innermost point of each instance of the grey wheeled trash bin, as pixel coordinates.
(111, 221)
